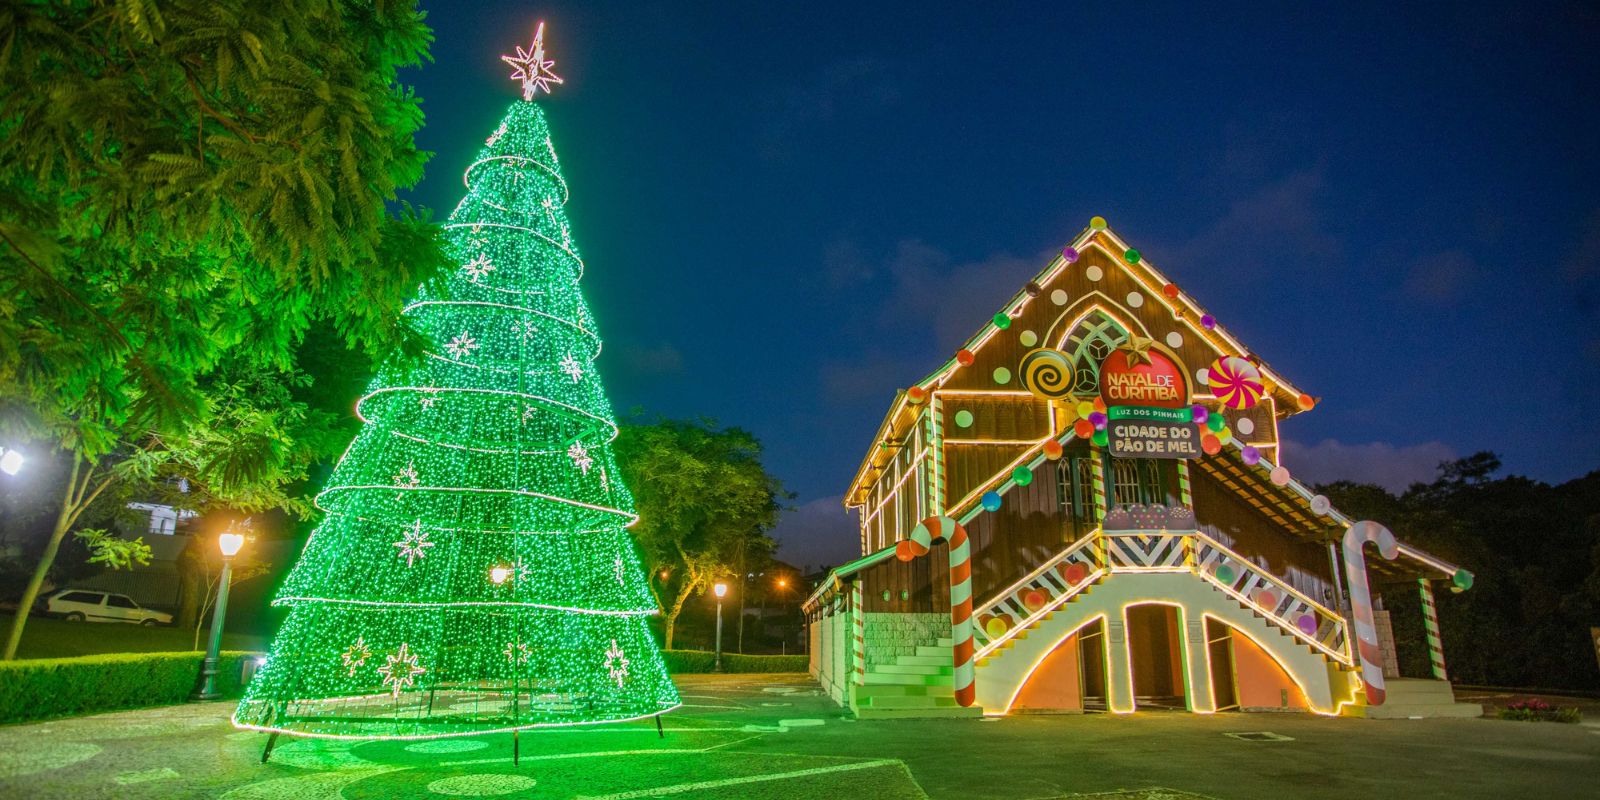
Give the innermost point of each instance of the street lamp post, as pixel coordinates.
(719, 590)
(10, 460)
(229, 543)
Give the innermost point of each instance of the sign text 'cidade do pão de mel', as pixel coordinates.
(1147, 404)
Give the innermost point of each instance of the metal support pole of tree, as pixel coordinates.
(208, 670)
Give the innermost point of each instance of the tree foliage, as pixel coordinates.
(705, 503)
(1535, 552)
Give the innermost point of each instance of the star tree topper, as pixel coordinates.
(532, 68)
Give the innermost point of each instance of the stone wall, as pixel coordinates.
(890, 636)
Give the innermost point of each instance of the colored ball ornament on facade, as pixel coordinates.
(1199, 413)
(1059, 297)
(1022, 476)
(1002, 375)
(1132, 256)
(965, 358)
(1266, 598)
(1280, 476)
(917, 395)
(1083, 428)
(1171, 290)
(1235, 381)
(1047, 373)
(1223, 572)
(1098, 419)
(1033, 289)
(1208, 322)
(1097, 223)
(1216, 422)
(1245, 425)
(963, 418)
(1033, 600)
(1068, 254)
(1307, 624)
(1085, 408)
(1224, 435)
(1053, 450)
(1320, 505)
(992, 501)
(1002, 320)
(903, 550)
(1028, 338)
(1099, 404)
(1306, 402)
(1210, 444)
(1250, 455)
(997, 626)
(1100, 439)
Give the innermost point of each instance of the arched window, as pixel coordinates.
(1089, 343)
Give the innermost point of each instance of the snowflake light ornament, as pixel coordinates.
(580, 457)
(407, 477)
(517, 652)
(572, 368)
(401, 671)
(356, 655)
(532, 68)
(414, 543)
(462, 346)
(616, 663)
(617, 567)
(478, 267)
(525, 328)
(429, 397)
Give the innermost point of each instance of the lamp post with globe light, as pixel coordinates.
(10, 460)
(720, 590)
(229, 543)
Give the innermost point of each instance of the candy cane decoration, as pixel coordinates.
(1430, 623)
(922, 538)
(1355, 574)
(858, 634)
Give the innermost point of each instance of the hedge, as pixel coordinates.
(43, 688)
(692, 661)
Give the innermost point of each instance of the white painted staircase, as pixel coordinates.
(916, 685)
(1417, 698)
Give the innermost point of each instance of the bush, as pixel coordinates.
(44, 688)
(694, 661)
(1537, 710)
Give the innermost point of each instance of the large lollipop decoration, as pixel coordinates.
(1235, 381)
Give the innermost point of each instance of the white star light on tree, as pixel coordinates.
(429, 397)
(356, 655)
(414, 543)
(478, 267)
(401, 671)
(462, 346)
(532, 68)
(580, 457)
(495, 137)
(616, 663)
(517, 652)
(525, 328)
(572, 368)
(407, 477)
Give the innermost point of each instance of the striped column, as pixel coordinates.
(937, 498)
(858, 635)
(1184, 495)
(1430, 622)
(1099, 484)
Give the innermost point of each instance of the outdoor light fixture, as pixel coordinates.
(720, 590)
(229, 543)
(10, 461)
(499, 575)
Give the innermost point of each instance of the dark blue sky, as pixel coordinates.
(790, 210)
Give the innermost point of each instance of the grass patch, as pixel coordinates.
(54, 638)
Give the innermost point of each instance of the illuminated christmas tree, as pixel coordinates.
(473, 572)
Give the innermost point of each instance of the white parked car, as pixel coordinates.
(78, 605)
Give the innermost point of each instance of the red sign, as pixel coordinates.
(1158, 381)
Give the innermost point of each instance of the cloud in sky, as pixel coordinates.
(818, 533)
(1444, 278)
(1276, 225)
(1387, 465)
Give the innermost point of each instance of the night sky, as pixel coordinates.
(788, 211)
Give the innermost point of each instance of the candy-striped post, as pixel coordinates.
(1185, 496)
(1099, 481)
(1430, 623)
(936, 410)
(922, 538)
(858, 634)
(1355, 573)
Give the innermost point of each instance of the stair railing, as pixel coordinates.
(1016, 607)
(1268, 595)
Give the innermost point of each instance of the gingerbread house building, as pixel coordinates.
(1085, 509)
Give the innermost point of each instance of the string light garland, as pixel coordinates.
(473, 572)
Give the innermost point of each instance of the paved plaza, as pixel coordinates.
(775, 736)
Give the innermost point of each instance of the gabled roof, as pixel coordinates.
(1101, 238)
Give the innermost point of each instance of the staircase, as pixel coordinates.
(1417, 698)
(917, 685)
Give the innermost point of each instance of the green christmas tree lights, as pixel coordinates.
(473, 572)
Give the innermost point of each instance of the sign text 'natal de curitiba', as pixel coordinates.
(1147, 399)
